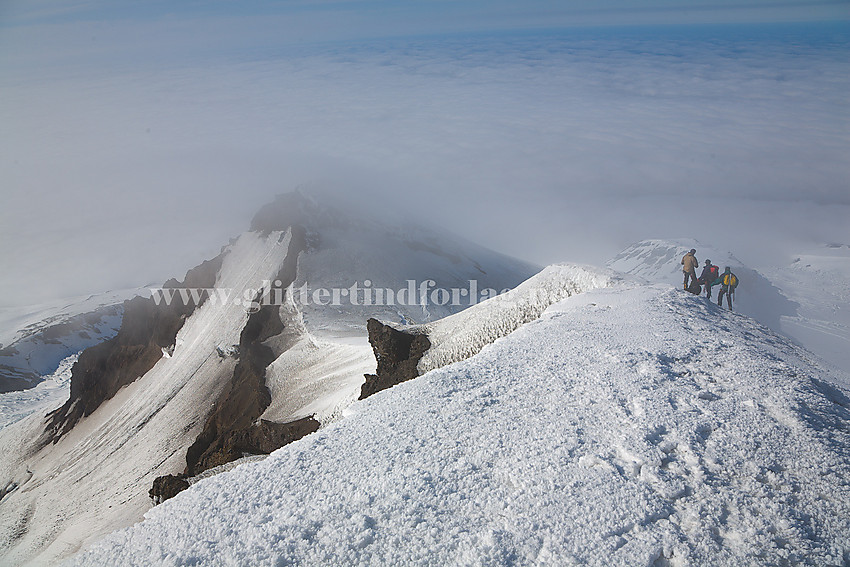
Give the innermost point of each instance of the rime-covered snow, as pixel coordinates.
(629, 425)
(464, 334)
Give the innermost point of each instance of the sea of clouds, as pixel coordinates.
(124, 163)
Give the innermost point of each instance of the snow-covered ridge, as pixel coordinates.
(628, 425)
(660, 261)
(464, 334)
(806, 300)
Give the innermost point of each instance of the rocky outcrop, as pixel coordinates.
(243, 401)
(258, 438)
(13, 378)
(397, 352)
(233, 427)
(261, 438)
(167, 486)
(145, 330)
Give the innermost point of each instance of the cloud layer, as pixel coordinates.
(123, 166)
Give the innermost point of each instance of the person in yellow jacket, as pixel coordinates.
(728, 283)
(689, 266)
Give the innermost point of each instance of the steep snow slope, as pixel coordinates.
(819, 282)
(660, 260)
(632, 425)
(98, 474)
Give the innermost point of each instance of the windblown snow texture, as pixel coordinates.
(632, 425)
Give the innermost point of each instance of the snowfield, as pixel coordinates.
(630, 425)
(819, 282)
(35, 339)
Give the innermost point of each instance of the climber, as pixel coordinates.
(689, 267)
(728, 283)
(710, 276)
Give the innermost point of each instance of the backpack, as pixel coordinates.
(730, 279)
(695, 288)
(713, 272)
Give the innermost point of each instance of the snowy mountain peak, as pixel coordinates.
(650, 258)
(295, 208)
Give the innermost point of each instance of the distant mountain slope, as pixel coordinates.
(659, 261)
(47, 395)
(185, 387)
(35, 339)
(630, 425)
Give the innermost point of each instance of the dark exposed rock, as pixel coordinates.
(231, 429)
(258, 438)
(13, 379)
(146, 329)
(267, 436)
(168, 486)
(397, 352)
(245, 399)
